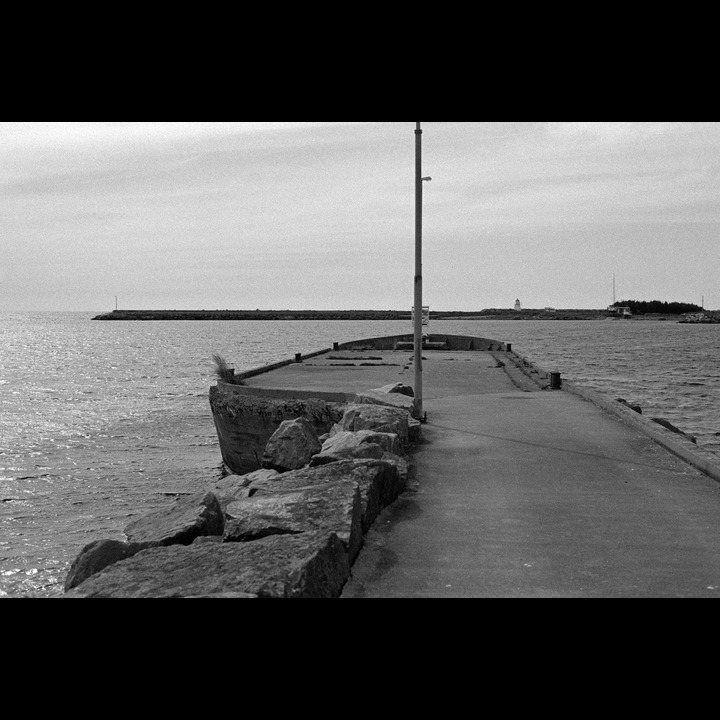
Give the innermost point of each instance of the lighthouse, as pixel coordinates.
(518, 306)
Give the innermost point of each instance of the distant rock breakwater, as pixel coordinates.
(354, 315)
(246, 315)
(704, 318)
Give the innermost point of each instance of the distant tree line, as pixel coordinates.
(638, 307)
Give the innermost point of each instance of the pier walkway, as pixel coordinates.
(522, 494)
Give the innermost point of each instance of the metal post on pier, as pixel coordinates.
(418, 272)
(419, 180)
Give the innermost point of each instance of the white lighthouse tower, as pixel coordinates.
(518, 306)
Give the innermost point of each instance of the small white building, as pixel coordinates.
(518, 306)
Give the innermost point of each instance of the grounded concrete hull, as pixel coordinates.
(317, 387)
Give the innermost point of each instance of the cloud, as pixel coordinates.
(44, 134)
(612, 132)
(323, 213)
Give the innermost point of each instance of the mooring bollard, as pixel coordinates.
(555, 381)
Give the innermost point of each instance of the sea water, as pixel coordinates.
(103, 422)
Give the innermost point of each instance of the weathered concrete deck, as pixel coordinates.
(524, 493)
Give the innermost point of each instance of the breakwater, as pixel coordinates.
(251, 315)
(353, 315)
(387, 315)
(703, 318)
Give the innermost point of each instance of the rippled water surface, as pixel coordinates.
(102, 422)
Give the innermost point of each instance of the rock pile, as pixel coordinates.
(702, 318)
(245, 423)
(290, 530)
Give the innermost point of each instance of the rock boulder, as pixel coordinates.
(180, 523)
(97, 556)
(398, 388)
(233, 487)
(291, 446)
(391, 399)
(379, 418)
(389, 442)
(380, 482)
(310, 565)
(364, 444)
(334, 507)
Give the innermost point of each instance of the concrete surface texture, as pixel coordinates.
(537, 494)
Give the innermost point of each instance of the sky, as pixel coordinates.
(321, 215)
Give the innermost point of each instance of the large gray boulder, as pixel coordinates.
(391, 399)
(291, 446)
(367, 451)
(389, 442)
(414, 430)
(379, 418)
(97, 556)
(180, 523)
(232, 487)
(380, 482)
(310, 565)
(335, 507)
(398, 388)
(401, 466)
(364, 444)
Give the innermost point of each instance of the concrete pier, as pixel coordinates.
(523, 492)
(538, 495)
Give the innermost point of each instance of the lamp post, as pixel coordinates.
(419, 179)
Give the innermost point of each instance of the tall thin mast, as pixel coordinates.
(418, 271)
